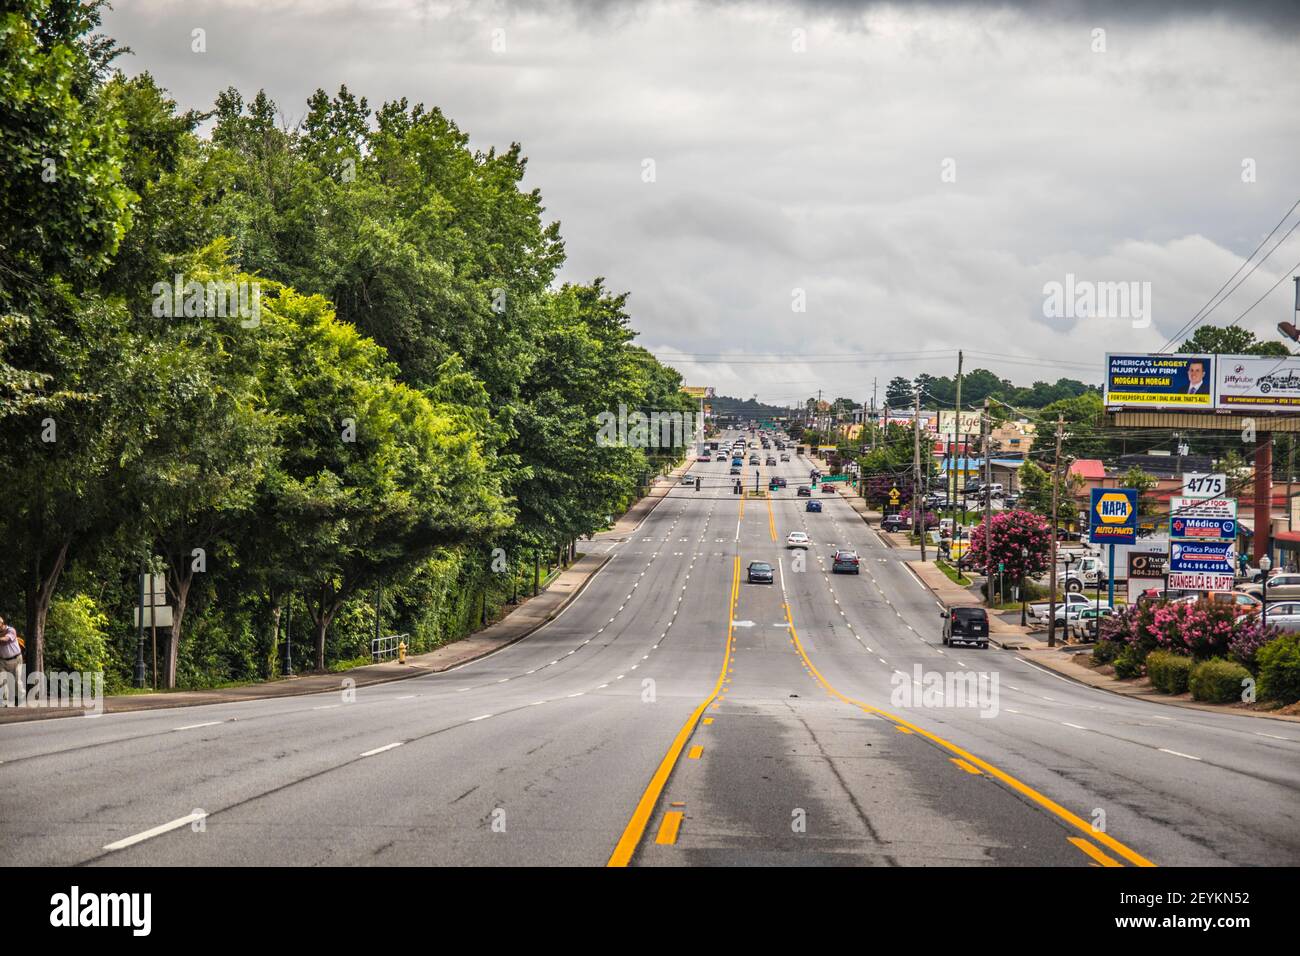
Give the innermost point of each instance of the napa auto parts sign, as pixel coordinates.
(1113, 516)
(1260, 384)
(1160, 381)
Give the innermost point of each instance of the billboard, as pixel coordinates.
(963, 423)
(1160, 381)
(1202, 557)
(1146, 570)
(1200, 581)
(1112, 518)
(1250, 382)
(1220, 508)
(1202, 529)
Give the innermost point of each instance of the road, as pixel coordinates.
(676, 715)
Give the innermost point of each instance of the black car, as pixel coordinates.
(965, 625)
(760, 572)
(804, 492)
(891, 523)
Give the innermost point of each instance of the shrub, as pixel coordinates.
(1169, 672)
(1106, 651)
(1128, 665)
(76, 635)
(1218, 681)
(1202, 629)
(1279, 670)
(1249, 638)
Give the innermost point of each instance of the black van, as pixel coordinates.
(965, 625)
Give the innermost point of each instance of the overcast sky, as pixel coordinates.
(919, 173)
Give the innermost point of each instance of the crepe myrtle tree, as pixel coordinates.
(1018, 540)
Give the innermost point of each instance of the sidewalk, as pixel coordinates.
(519, 621)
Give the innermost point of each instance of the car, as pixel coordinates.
(891, 523)
(797, 539)
(688, 479)
(1243, 602)
(1281, 587)
(735, 470)
(1285, 615)
(753, 459)
(803, 491)
(775, 482)
(828, 489)
(845, 561)
(785, 456)
(705, 457)
(965, 625)
(770, 460)
(1083, 626)
(813, 505)
(759, 572)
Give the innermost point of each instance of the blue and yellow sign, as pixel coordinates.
(1113, 516)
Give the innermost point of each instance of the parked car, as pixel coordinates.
(797, 539)
(760, 572)
(1285, 614)
(845, 561)
(1083, 627)
(813, 505)
(1040, 609)
(1243, 602)
(891, 523)
(803, 491)
(965, 625)
(1281, 587)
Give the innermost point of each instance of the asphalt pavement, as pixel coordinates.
(674, 714)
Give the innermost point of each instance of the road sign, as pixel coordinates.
(894, 495)
(159, 615)
(1208, 557)
(1204, 486)
(1202, 529)
(1222, 508)
(1113, 516)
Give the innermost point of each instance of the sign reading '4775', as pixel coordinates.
(1204, 486)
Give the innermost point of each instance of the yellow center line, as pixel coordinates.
(1043, 801)
(696, 751)
(635, 828)
(1093, 852)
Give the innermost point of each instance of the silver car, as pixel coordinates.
(1285, 614)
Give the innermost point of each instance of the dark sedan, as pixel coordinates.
(760, 572)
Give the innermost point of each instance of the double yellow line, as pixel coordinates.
(635, 828)
(1022, 788)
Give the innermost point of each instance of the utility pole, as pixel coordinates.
(918, 502)
(956, 427)
(988, 506)
(1056, 489)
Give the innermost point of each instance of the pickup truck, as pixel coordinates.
(1072, 599)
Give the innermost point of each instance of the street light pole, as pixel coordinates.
(1024, 560)
(1265, 564)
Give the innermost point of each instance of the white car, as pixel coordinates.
(797, 539)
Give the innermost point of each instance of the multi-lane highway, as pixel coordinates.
(676, 715)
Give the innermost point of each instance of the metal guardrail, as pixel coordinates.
(385, 647)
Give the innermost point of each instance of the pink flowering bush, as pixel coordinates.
(1202, 630)
(1010, 533)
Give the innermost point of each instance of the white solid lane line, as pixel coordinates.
(206, 723)
(1177, 754)
(379, 750)
(157, 831)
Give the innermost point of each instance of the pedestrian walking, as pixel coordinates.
(11, 660)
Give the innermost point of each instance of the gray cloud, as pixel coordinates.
(821, 170)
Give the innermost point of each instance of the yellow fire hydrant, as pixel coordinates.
(401, 652)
